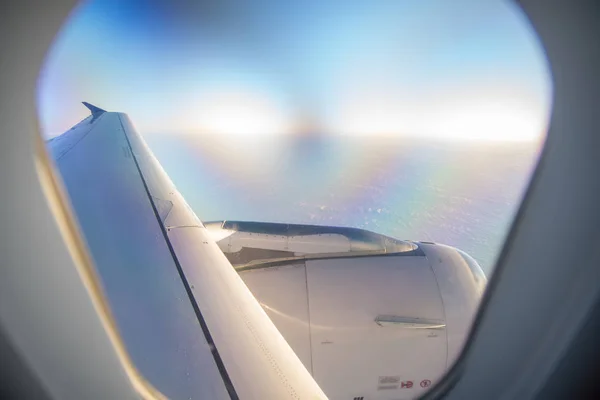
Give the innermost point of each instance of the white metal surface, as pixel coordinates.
(256, 357)
(460, 291)
(136, 269)
(378, 324)
(324, 243)
(157, 262)
(350, 351)
(284, 297)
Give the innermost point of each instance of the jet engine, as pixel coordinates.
(370, 316)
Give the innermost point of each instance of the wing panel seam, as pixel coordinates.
(312, 372)
(219, 362)
(443, 304)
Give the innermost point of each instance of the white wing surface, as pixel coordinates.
(189, 322)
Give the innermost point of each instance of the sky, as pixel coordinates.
(464, 69)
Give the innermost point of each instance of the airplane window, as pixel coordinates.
(356, 163)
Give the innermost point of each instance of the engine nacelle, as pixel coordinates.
(369, 316)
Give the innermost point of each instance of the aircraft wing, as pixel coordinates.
(189, 323)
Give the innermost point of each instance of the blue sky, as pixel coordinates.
(452, 69)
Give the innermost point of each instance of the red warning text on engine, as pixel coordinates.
(406, 384)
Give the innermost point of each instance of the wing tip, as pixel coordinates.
(96, 111)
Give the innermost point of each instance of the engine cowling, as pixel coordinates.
(369, 316)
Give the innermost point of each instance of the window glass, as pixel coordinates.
(410, 122)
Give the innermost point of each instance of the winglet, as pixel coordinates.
(96, 111)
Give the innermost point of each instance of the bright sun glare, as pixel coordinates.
(240, 113)
(251, 114)
(489, 122)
